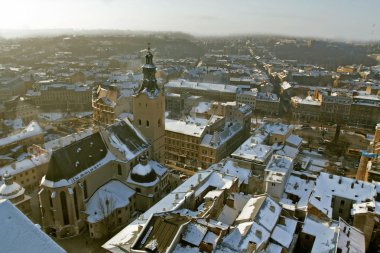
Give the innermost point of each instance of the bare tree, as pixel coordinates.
(106, 207)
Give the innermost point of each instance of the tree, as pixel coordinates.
(106, 205)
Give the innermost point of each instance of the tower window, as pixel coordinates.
(159, 122)
(65, 212)
(139, 122)
(119, 172)
(147, 123)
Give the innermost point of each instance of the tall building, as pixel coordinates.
(149, 109)
(100, 182)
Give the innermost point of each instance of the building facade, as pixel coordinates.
(149, 109)
(86, 181)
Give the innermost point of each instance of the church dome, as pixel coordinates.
(10, 189)
(143, 172)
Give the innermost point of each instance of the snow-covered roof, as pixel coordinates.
(273, 248)
(285, 85)
(294, 140)
(286, 150)
(194, 233)
(31, 130)
(185, 249)
(231, 168)
(19, 234)
(193, 127)
(328, 185)
(268, 214)
(238, 239)
(228, 215)
(252, 151)
(15, 124)
(202, 107)
(299, 187)
(284, 233)
(325, 234)
(211, 238)
(306, 101)
(51, 116)
(267, 96)
(213, 194)
(277, 128)
(219, 138)
(25, 164)
(11, 191)
(66, 140)
(201, 86)
(126, 139)
(115, 193)
(74, 87)
(143, 170)
(278, 167)
(195, 185)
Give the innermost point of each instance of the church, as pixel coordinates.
(103, 181)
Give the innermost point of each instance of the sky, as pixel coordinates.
(334, 19)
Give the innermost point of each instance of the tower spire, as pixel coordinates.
(149, 83)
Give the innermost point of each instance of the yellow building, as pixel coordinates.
(15, 193)
(28, 172)
(149, 110)
(108, 104)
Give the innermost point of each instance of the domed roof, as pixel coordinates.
(143, 172)
(10, 189)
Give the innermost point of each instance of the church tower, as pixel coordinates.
(149, 109)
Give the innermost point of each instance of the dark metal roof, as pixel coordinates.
(127, 135)
(70, 160)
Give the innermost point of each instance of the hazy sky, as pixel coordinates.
(337, 19)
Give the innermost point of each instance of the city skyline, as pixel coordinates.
(346, 20)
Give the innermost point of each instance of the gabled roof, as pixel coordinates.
(70, 160)
(126, 138)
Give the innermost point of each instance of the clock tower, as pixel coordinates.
(149, 109)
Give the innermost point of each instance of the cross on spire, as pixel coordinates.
(149, 56)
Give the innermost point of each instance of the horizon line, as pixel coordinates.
(55, 32)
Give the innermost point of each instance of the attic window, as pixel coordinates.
(258, 233)
(272, 208)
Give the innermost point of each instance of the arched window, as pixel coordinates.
(85, 189)
(147, 123)
(139, 122)
(76, 203)
(50, 199)
(65, 212)
(119, 172)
